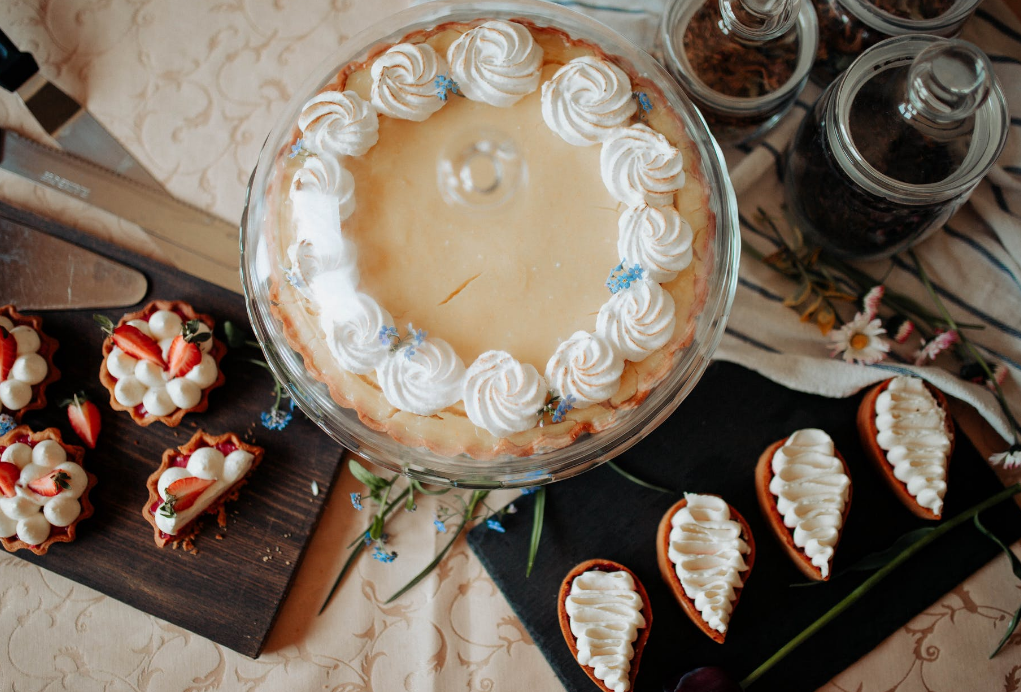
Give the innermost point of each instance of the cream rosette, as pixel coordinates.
(404, 81)
(325, 175)
(339, 123)
(586, 100)
(585, 368)
(424, 377)
(655, 238)
(640, 166)
(353, 333)
(497, 63)
(638, 320)
(503, 395)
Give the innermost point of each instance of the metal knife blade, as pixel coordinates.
(179, 229)
(63, 276)
(64, 118)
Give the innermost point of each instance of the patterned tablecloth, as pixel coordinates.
(191, 87)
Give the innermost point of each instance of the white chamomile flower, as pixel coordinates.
(1011, 459)
(860, 340)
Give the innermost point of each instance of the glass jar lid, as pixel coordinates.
(899, 17)
(918, 119)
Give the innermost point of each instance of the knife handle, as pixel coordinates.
(16, 67)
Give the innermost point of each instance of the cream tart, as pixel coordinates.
(44, 490)
(605, 616)
(195, 479)
(908, 434)
(26, 363)
(705, 552)
(161, 362)
(458, 328)
(804, 490)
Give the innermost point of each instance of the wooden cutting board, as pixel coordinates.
(232, 589)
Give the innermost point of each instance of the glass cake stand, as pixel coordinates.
(589, 450)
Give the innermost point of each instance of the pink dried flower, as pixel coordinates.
(939, 343)
(906, 329)
(1011, 459)
(872, 300)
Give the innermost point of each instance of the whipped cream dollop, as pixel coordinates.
(338, 123)
(586, 100)
(404, 81)
(912, 431)
(811, 489)
(423, 378)
(503, 395)
(323, 263)
(497, 63)
(655, 238)
(208, 463)
(325, 176)
(29, 515)
(637, 321)
(29, 368)
(353, 333)
(639, 166)
(586, 368)
(708, 552)
(604, 610)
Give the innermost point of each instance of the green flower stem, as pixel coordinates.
(877, 577)
(537, 518)
(636, 480)
(386, 513)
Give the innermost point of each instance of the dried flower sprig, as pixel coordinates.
(556, 407)
(389, 336)
(444, 86)
(622, 276)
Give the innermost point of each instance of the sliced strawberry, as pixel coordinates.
(182, 356)
(84, 418)
(186, 491)
(9, 475)
(8, 352)
(137, 345)
(50, 485)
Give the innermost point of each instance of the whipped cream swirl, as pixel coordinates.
(586, 368)
(352, 333)
(639, 166)
(404, 81)
(708, 553)
(912, 430)
(324, 175)
(638, 320)
(604, 613)
(502, 395)
(497, 63)
(424, 380)
(339, 123)
(811, 490)
(586, 100)
(655, 238)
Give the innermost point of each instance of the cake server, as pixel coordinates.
(62, 276)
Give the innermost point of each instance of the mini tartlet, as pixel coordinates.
(740, 571)
(820, 498)
(644, 612)
(195, 479)
(44, 490)
(913, 461)
(167, 367)
(26, 362)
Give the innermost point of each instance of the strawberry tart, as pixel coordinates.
(194, 479)
(26, 363)
(44, 491)
(161, 362)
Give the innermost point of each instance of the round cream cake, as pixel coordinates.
(489, 239)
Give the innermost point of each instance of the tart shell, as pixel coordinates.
(767, 502)
(76, 455)
(669, 572)
(47, 347)
(868, 432)
(565, 620)
(217, 351)
(199, 439)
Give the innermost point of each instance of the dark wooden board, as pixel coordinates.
(711, 444)
(232, 589)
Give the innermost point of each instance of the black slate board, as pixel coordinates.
(227, 592)
(711, 444)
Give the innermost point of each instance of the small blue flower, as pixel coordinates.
(409, 352)
(367, 539)
(530, 491)
(643, 101)
(387, 335)
(563, 406)
(621, 278)
(275, 419)
(494, 524)
(356, 501)
(380, 555)
(418, 336)
(7, 423)
(296, 148)
(440, 526)
(443, 84)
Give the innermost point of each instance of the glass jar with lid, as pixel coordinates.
(894, 146)
(743, 62)
(848, 27)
